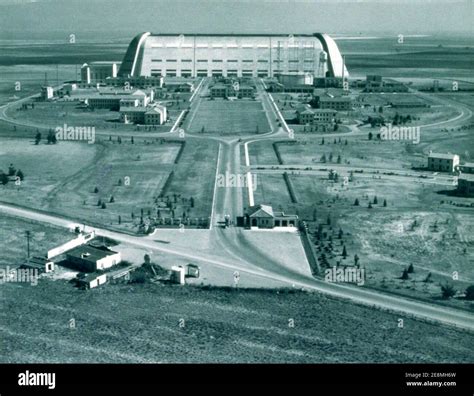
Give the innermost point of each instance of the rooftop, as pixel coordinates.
(90, 253)
(442, 155)
(467, 176)
(137, 109)
(261, 211)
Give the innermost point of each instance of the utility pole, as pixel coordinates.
(28, 236)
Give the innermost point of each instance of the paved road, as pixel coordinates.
(248, 261)
(232, 251)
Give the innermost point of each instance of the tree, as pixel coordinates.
(405, 275)
(339, 159)
(11, 170)
(20, 175)
(356, 260)
(356, 202)
(328, 221)
(4, 178)
(120, 219)
(470, 293)
(37, 137)
(131, 140)
(370, 205)
(322, 141)
(411, 269)
(51, 138)
(112, 199)
(376, 201)
(96, 190)
(447, 291)
(371, 135)
(384, 203)
(344, 252)
(147, 259)
(341, 233)
(103, 206)
(323, 158)
(191, 202)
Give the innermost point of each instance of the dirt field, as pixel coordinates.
(53, 322)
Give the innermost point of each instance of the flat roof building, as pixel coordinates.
(87, 258)
(236, 55)
(440, 162)
(466, 185)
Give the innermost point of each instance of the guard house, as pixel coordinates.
(263, 216)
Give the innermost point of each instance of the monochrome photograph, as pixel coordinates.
(257, 182)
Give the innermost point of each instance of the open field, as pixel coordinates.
(216, 326)
(194, 177)
(13, 243)
(419, 225)
(357, 152)
(230, 117)
(271, 190)
(133, 174)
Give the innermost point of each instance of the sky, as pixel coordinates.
(37, 17)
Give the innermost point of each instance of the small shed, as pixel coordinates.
(42, 264)
(178, 275)
(90, 281)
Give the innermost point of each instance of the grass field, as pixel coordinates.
(141, 323)
(62, 178)
(272, 190)
(13, 243)
(195, 176)
(230, 117)
(418, 226)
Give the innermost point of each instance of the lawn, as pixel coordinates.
(63, 178)
(230, 117)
